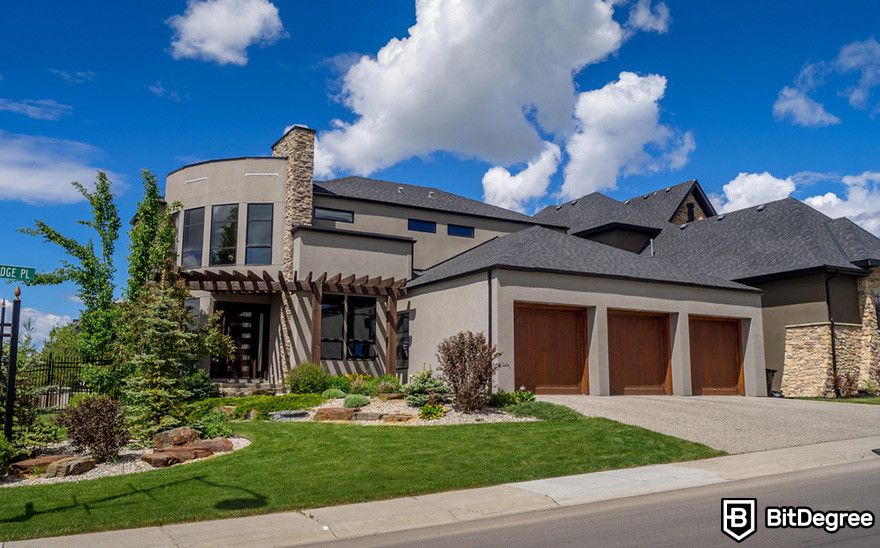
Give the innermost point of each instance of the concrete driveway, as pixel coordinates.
(735, 424)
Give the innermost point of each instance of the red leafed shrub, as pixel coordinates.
(97, 424)
(468, 363)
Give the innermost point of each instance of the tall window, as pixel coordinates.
(193, 237)
(690, 213)
(348, 327)
(259, 234)
(224, 234)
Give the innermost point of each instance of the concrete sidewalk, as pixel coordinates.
(369, 518)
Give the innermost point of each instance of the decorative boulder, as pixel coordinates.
(72, 466)
(161, 460)
(175, 437)
(334, 414)
(397, 417)
(391, 396)
(215, 445)
(292, 415)
(365, 416)
(187, 452)
(25, 467)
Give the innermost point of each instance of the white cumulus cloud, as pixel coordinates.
(222, 30)
(616, 126)
(41, 323)
(644, 16)
(473, 78)
(38, 109)
(793, 105)
(749, 189)
(36, 169)
(501, 188)
(860, 201)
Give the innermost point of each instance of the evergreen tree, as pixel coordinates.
(92, 271)
(152, 237)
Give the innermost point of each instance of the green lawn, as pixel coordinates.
(301, 465)
(873, 400)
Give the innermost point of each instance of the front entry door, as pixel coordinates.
(248, 327)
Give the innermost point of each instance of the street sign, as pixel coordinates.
(22, 273)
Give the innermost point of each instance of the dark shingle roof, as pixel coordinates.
(662, 204)
(422, 197)
(857, 243)
(545, 250)
(782, 236)
(596, 210)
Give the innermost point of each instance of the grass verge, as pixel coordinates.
(302, 465)
(871, 400)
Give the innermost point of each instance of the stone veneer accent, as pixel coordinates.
(807, 368)
(298, 146)
(681, 216)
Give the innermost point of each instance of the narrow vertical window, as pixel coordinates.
(224, 234)
(361, 328)
(259, 234)
(332, 327)
(193, 237)
(691, 216)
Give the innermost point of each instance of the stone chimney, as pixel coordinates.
(298, 146)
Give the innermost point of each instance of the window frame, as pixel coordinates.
(247, 245)
(234, 248)
(348, 318)
(470, 230)
(410, 226)
(183, 239)
(331, 219)
(333, 340)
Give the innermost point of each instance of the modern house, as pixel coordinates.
(654, 295)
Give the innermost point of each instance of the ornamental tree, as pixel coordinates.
(152, 237)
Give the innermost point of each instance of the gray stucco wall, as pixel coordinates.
(429, 249)
(445, 308)
(347, 254)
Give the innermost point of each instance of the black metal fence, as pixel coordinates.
(57, 379)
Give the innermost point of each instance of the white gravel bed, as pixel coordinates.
(452, 416)
(128, 462)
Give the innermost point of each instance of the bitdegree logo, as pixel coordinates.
(802, 517)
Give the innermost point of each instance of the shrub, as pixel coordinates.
(199, 386)
(107, 379)
(431, 411)
(423, 386)
(847, 381)
(261, 405)
(340, 382)
(544, 411)
(333, 394)
(213, 425)
(360, 386)
(468, 363)
(307, 378)
(40, 433)
(503, 399)
(385, 384)
(356, 400)
(7, 452)
(96, 424)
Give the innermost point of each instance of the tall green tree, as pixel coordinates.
(89, 268)
(152, 237)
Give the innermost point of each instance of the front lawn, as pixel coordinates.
(871, 400)
(301, 465)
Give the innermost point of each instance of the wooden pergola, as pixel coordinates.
(249, 282)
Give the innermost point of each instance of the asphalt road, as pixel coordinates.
(688, 517)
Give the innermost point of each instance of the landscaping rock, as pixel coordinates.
(216, 445)
(365, 416)
(175, 437)
(397, 417)
(391, 396)
(292, 415)
(72, 466)
(26, 467)
(187, 452)
(334, 414)
(262, 392)
(161, 460)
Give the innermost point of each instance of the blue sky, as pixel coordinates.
(102, 84)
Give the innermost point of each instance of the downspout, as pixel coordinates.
(833, 333)
(489, 308)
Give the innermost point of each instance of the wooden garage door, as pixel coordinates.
(638, 353)
(550, 349)
(716, 356)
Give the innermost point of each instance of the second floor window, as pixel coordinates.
(418, 225)
(259, 234)
(330, 214)
(193, 237)
(460, 230)
(224, 234)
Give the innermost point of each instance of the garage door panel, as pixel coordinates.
(716, 356)
(638, 353)
(550, 349)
